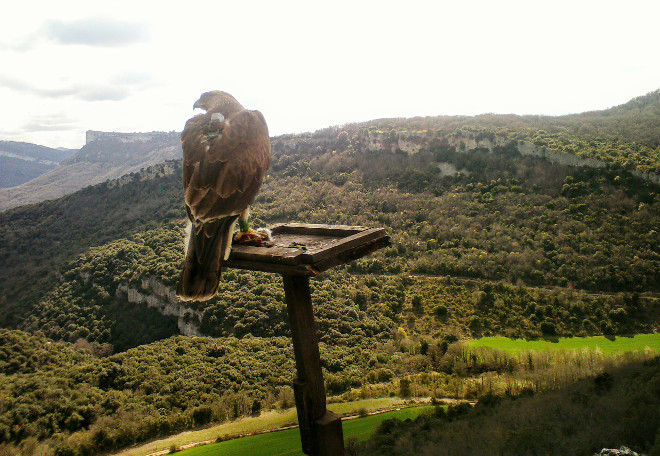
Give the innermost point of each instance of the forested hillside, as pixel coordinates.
(91, 303)
(36, 240)
(625, 135)
(476, 214)
(537, 224)
(488, 238)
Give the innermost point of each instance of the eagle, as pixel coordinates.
(226, 153)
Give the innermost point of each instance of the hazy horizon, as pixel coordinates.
(73, 66)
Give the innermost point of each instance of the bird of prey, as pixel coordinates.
(226, 153)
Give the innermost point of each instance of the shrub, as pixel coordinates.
(548, 329)
(256, 408)
(404, 388)
(441, 312)
(202, 415)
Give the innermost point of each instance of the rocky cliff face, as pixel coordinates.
(408, 142)
(128, 149)
(153, 172)
(413, 142)
(92, 136)
(156, 295)
(465, 143)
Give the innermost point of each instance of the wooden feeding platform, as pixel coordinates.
(299, 251)
(307, 250)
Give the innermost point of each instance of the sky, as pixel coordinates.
(68, 66)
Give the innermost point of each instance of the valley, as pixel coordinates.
(272, 421)
(519, 227)
(22, 162)
(104, 157)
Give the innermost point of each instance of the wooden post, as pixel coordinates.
(298, 251)
(320, 430)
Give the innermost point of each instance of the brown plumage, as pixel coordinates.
(226, 153)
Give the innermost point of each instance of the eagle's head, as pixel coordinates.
(217, 101)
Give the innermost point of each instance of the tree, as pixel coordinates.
(404, 388)
(256, 408)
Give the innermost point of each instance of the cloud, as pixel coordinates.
(101, 93)
(14, 84)
(85, 92)
(92, 31)
(20, 44)
(54, 128)
(48, 122)
(133, 78)
(96, 31)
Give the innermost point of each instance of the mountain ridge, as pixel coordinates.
(21, 162)
(625, 135)
(98, 161)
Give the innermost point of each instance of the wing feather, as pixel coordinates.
(223, 173)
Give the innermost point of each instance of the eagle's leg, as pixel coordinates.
(243, 221)
(247, 235)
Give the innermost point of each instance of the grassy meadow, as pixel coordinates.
(288, 442)
(272, 419)
(606, 345)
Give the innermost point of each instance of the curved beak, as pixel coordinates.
(196, 105)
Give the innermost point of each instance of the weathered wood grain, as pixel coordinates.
(308, 250)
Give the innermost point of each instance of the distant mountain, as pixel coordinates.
(21, 162)
(637, 121)
(105, 156)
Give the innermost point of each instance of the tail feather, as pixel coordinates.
(208, 246)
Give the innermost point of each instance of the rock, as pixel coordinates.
(623, 451)
(155, 294)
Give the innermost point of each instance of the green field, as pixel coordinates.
(272, 419)
(608, 346)
(288, 442)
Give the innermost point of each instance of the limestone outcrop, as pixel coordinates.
(156, 295)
